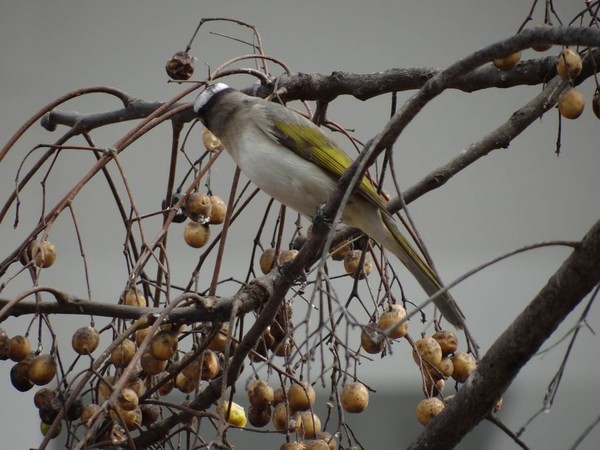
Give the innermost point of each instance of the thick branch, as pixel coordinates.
(516, 346)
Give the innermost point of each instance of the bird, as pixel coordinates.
(292, 160)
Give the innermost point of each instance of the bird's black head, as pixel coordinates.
(207, 99)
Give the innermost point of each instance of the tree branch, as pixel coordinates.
(516, 346)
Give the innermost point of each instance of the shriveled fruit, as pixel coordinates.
(310, 424)
(301, 396)
(284, 419)
(233, 413)
(42, 369)
(85, 340)
(464, 364)
(286, 256)
(128, 419)
(123, 353)
(180, 66)
(218, 210)
(569, 64)
(353, 267)
(571, 103)
(198, 207)
(371, 341)
(259, 417)
(428, 408)
(163, 345)
(260, 394)
(134, 297)
(542, 46)
(393, 315)
(354, 397)
(18, 348)
(267, 259)
(211, 142)
(508, 62)
(43, 254)
(596, 104)
(447, 340)
(195, 234)
(429, 350)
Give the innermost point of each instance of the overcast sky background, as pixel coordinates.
(512, 198)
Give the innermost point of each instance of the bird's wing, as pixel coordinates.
(303, 137)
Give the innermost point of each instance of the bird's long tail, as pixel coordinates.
(418, 267)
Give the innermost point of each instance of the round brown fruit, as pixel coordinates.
(569, 64)
(259, 417)
(141, 334)
(88, 412)
(429, 350)
(339, 252)
(4, 341)
(352, 265)
(43, 254)
(283, 419)
(198, 207)
(310, 425)
(129, 419)
(508, 62)
(150, 414)
(123, 353)
(596, 104)
(85, 340)
(464, 364)
(447, 340)
(43, 396)
(210, 365)
(134, 297)
(371, 341)
(45, 428)
(428, 408)
(267, 259)
(211, 143)
(151, 365)
(393, 315)
(316, 444)
(163, 345)
(185, 384)
(218, 210)
(542, 46)
(42, 369)
(195, 234)
(571, 103)
(354, 397)
(278, 396)
(301, 396)
(446, 367)
(128, 399)
(260, 394)
(18, 348)
(329, 439)
(286, 256)
(18, 375)
(294, 445)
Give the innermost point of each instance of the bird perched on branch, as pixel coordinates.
(291, 159)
